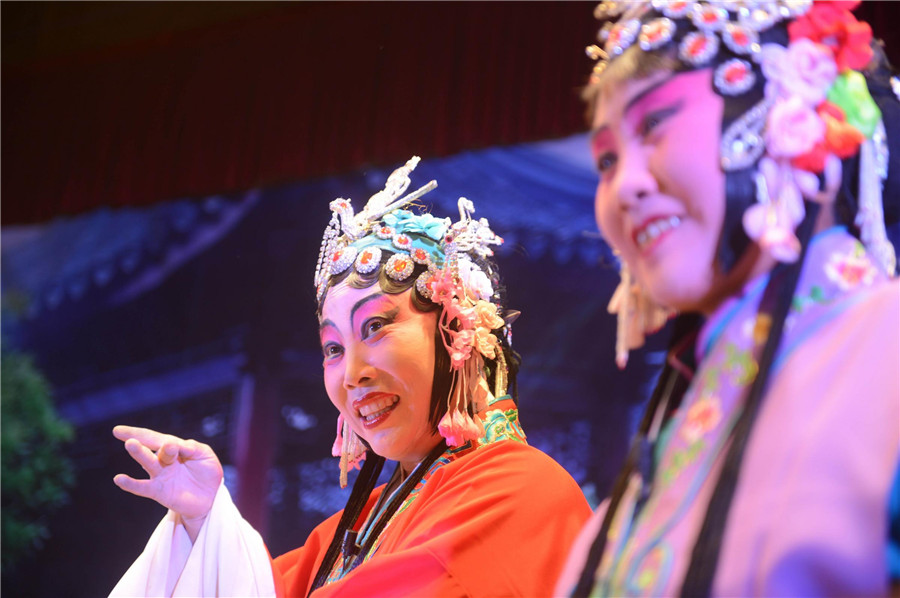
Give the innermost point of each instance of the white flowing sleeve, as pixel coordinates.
(229, 558)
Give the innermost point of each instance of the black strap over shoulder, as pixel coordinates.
(362, 488)
(667, 395)
(414, 478)
(775, 304)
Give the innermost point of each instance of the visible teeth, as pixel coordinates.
(377, 414)
(653, 230)
(375, 408)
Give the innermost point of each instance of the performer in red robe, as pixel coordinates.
(417, 362)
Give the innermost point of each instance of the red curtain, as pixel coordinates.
(295, 91)
(301, 90)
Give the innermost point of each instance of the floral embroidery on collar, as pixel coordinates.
(851, 269)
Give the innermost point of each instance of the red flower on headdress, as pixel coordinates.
(832, 24)
(841, 139)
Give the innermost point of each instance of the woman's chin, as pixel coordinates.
(684, 295)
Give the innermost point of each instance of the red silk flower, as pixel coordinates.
(832, 24)
(841, 139)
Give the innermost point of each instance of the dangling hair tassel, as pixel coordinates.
(637, 316)
(501, 382)
(348, 447)
(458, 426)
(870, 215)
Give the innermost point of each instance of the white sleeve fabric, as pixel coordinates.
(229, 558)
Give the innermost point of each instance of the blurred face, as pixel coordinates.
(661, 197)
(379, 368)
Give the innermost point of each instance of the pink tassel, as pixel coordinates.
(349, 448)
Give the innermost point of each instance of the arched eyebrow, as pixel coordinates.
(356, 306)
(597, 131)
(363, 301)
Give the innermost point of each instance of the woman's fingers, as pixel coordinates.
(143, 488)
(144, 456)
(169, 450)
(167, 453)
(191, 449)
(149, 438)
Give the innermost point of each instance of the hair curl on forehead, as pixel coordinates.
(634, 63)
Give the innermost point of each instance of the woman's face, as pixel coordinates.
(660, 201)
(379, 368)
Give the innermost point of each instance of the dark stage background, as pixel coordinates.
(166, 174)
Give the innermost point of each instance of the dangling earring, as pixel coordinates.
(637, 316)
(873, 156)
(348, 447)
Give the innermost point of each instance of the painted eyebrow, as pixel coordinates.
(356, 306)
(632, 102)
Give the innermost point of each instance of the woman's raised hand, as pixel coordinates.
(184, 474)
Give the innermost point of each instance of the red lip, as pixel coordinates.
(368, 398)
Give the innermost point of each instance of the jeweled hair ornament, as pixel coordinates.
(453, 279)
(816, 108)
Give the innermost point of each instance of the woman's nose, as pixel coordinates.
(633, 180)
(358, 370)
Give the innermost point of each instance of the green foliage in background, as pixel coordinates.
(35, 473)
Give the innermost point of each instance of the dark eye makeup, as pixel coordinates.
(655, 118)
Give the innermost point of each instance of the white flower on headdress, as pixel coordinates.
(474, 280)
(793, 128)
(804, 69)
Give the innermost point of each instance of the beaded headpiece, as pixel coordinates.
(385, 235)
(815, 110)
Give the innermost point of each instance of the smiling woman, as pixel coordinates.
(742, 160)
(379, 365)
(417, 362)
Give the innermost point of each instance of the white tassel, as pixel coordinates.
(870, 215)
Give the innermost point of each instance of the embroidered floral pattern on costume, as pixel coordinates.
(702, 417)
(680, 460)
(740, 365)
(500, 425)
(700, 430)
(647, 576)
(815, 296)
(851, 269)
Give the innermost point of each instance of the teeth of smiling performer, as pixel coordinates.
(654, 229)
(372, 409)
